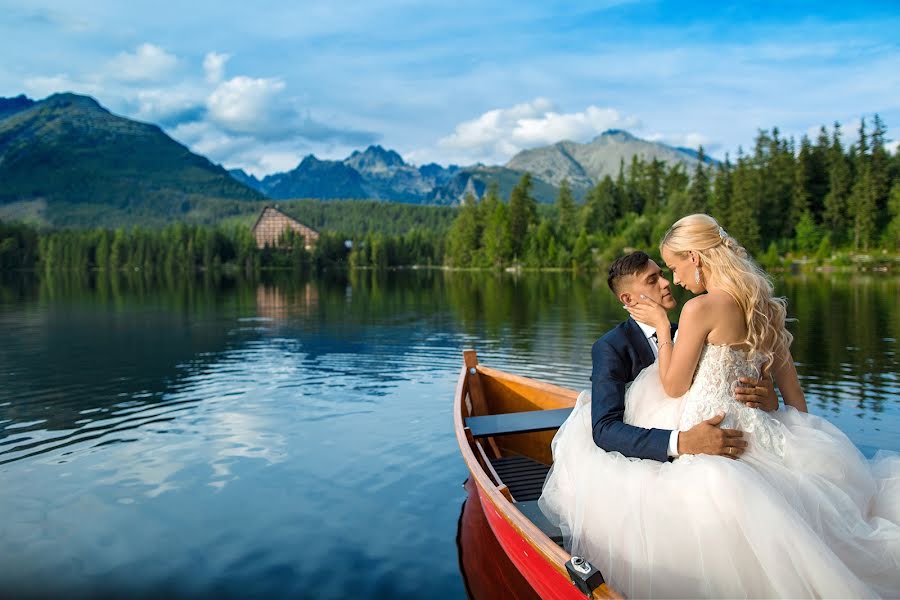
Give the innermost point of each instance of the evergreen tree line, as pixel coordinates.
(806, 200)
(188, 248)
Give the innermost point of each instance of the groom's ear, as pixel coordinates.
(626, 298)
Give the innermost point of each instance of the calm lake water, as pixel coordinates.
(292, 437)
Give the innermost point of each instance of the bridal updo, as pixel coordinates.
(731, 269)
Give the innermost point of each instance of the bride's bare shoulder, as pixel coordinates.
(713, 304)
(722, 300)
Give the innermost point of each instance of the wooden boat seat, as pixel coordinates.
(518, 422)
(525, 478)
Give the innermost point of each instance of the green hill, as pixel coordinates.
(67, 161)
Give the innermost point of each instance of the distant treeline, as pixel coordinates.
(187, 248)
(817, 200)
(810, 200)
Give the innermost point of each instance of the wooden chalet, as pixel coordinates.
(271, 225)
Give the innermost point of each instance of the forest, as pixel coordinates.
(816, 202)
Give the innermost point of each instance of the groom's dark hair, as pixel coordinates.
(630, 264)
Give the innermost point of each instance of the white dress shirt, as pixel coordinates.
(649, 332)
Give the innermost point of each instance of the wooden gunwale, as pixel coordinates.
(542, 394)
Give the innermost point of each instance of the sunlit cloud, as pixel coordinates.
(498, 134)
(214, 66)
(147, 63)
(460, 83)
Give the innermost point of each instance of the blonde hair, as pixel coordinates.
(732, 270)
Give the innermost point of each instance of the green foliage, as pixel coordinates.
(565, 206)
(778, 198)
(807, 235)
(522, 214)
(891, 239)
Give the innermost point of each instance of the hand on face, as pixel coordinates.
(648, 311)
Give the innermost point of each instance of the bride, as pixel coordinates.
(801, 513)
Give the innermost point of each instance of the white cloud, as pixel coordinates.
(164, 106)
(247, 105)
(253, 123)
(498, 134)
(691, 140)
(147, 63)
(43, 86)
(214, 66)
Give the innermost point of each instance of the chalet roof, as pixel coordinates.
(282, 213)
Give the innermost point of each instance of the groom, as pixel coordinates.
(629, 348)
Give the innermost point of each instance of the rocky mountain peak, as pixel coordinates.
(615, 135)
(10, 106)
(70, 100)
(374, 159)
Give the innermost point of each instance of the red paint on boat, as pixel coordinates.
(486, 570)
(544, 578)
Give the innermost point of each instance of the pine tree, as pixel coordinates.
(800, 195)
(465, 235)
(522, 214)
(565, 207)
(836, 213)
(497, 248)
(721, 197)
(653, 189)
(862, 198)
(807, 236)
(743, 216)
(581, 252)
(818, 172)
(698, 200)
(879, 162)
(600, 212)
(632, 200)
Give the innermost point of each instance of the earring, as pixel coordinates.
(697, 276)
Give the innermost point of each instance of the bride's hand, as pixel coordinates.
(650, 312)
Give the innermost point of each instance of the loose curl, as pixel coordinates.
(732, 270)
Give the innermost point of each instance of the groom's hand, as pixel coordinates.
(708, 438)
(757, 393)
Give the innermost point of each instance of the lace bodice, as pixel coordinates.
(712, 393)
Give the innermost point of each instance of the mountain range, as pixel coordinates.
(66, 160)
(383, 174)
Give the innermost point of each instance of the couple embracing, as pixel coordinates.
(677, 475)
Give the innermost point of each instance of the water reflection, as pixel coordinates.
(266, 424)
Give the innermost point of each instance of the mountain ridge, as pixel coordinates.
(67, 152)
(384, 175)
(71, 156)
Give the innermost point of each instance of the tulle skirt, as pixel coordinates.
(821, 521)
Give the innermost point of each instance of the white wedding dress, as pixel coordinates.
(802, 514)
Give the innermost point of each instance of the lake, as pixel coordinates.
(292, 436)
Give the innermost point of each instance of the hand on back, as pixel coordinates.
(707, 438)
(757, 393)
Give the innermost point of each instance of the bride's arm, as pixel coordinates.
(787, 381)
(677, 365)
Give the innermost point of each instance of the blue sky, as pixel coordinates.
(260, 85)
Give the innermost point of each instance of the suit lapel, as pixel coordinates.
(640, 343)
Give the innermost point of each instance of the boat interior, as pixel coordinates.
(509, 422)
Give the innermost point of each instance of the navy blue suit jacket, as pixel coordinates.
(617, 358)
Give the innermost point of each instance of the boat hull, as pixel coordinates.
(545, 579)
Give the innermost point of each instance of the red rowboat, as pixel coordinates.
(504, 425)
